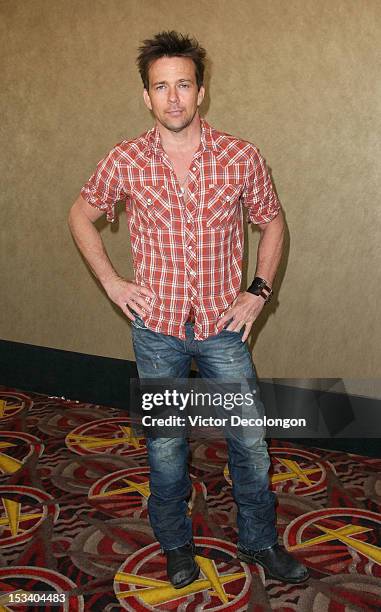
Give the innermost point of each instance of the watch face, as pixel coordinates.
(259, 282)
(257, 286)
(260, 288)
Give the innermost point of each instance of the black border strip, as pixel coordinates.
(77, 376)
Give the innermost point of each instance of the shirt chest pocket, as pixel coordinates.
(221, 204)
(153, 206)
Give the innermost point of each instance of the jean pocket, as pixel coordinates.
(231, 331)
(138, 323)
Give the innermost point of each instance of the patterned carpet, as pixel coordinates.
(74, 488)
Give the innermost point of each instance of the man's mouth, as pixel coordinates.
(175, 112)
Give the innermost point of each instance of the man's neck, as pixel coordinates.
(181, 142)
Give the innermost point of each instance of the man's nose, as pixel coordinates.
(173, 95)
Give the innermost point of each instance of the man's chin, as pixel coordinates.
(176, 126)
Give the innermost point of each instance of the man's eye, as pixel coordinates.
(160, 87)
(184, 85)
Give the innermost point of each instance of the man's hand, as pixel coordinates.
(244, 310)
(127, 294)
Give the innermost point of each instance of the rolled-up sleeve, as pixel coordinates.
(104, 187)
(259, 196)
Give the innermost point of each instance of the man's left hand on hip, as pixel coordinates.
(243, 312)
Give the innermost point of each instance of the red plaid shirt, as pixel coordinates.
(188, 251)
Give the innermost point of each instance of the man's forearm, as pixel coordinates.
(91, 245)
(270, 249)
(125, 294)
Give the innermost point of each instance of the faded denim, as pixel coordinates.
(221, 356)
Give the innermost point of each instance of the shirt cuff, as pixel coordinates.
(95, 202)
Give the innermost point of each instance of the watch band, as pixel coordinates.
(260, 287)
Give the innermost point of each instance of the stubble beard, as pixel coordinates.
(178, 128)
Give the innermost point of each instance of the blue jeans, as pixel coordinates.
(223, 356)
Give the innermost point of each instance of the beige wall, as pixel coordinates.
(299, 78)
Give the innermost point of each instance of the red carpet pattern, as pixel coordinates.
(74, 525)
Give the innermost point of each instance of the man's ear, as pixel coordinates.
(147, 100)
(201, 94)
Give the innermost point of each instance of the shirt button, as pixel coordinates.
(149, 200)
(194, 169)
(182, 190)
(189, 248)
(227, 198)
(189, 220)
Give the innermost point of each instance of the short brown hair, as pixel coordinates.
(170, 44)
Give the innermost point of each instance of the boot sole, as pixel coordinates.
(189, 580)
(242, 557)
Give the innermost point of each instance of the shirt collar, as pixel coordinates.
(208, 141)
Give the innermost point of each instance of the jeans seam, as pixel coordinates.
(251, 550)
(164, 550)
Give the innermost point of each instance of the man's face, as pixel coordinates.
(173, 96)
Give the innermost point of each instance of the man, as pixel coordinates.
(185, 186)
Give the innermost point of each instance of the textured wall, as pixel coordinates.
(299, 78)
